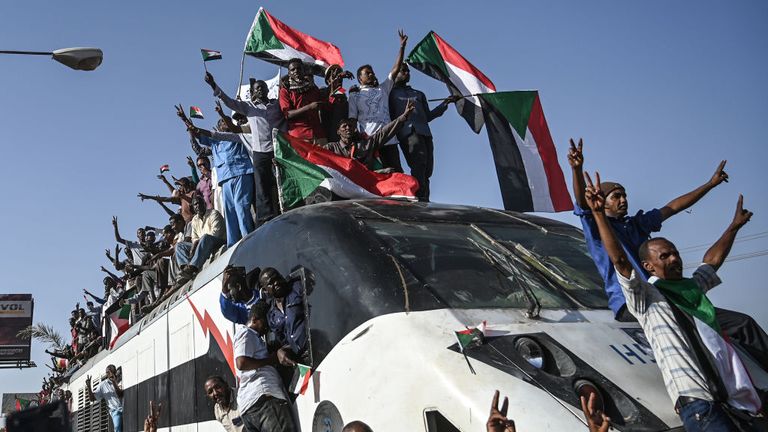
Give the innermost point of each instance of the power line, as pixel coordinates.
(749, 237)
(738, 257)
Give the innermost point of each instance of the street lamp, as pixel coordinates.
(86, 59)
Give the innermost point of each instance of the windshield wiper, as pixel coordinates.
(530, 258)
(503, 266)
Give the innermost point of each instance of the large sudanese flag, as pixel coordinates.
(529, 174)
(304, 167)
(271, 40)
(702, 329)
(436, 58)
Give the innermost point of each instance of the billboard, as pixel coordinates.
(15, 315)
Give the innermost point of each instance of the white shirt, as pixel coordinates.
(106, 391)
(370, 106)
(255, 383)
(211, 223)
(230, 418)
(673, 353)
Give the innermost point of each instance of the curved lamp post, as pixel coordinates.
(86, 59)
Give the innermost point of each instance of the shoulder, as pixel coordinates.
(706, 277)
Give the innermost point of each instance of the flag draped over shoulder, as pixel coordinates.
(304, 167)
(686, 295)
(272, 40)
(529, 174)
(119, 322)
(434, 57)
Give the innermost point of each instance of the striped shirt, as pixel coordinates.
(681, 372)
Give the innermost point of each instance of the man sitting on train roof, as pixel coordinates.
(632, 231)
(363, 148)
(225, 404)
(207, 237)
(703, 374)
(261, 398)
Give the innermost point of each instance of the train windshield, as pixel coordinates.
(496, 266)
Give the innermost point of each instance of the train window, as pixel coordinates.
(436, 422)
(562, 254)
(465, 268)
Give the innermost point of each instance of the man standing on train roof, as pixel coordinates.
(225, 404)
(261, 399)
(301, 102)
(110, 391)
(415, 137)
(370, 105)
(234, 171)
(703, 376)
(632, 231)
(338, 103)
(263, 115)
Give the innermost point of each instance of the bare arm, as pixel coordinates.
(230, 125)
(165, 181)
(576, 160)
(685, 201)
(596, 202)
(165, 207)
(400, 54)
(117, 231)
(717, 254)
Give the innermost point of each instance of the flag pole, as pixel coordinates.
(240, 84)
(461, 348)
(462, 96)
(205, 66)
(278, 178)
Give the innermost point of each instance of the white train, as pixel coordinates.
(392, 282)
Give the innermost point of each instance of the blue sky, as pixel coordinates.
(660, 91)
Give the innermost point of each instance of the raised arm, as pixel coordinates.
(576, 160)
(235, 105)
(390, 129)
(112, 275)
(717, 254)
(117, 231)
(98, 300)
(167, 184)
(231, 126)
(400, 54)
(596, 203)
(165, 207)
(684, 201)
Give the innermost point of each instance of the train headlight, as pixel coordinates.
(586, 388)
(531, 351)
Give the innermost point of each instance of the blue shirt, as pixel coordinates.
(234, 311)
(418, 121)
(631, 231)
(231, 157)
(290, 325)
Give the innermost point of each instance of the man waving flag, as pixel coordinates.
(436, 58)
(271, 40)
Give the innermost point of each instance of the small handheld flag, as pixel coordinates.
(304, 372)
(164, 168)
(195, 112)
(209, 55)
(469, 338)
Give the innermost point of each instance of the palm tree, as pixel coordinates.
(43, 333)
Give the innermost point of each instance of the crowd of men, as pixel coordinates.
(232, 191)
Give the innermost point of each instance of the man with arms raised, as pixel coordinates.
(702, 373)
(110, 391)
